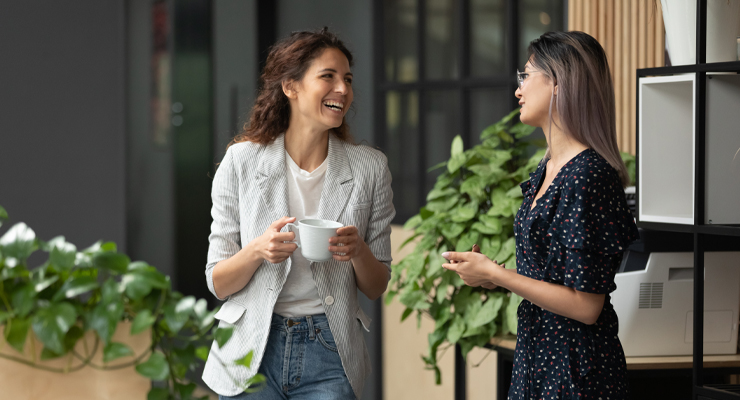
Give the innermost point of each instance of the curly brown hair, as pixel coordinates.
(289, 59)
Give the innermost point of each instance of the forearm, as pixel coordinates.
(371, 275)
(559, 299)
(232, 274)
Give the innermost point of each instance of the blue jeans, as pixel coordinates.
(301, 362)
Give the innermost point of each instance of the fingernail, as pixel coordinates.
(445, 254)
(495, 261)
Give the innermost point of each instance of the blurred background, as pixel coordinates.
(115, 114)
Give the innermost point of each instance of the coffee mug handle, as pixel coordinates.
(297, 241)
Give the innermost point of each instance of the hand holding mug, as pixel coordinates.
(271, 245)
(347, 244)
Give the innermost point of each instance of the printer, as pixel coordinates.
(655, 294)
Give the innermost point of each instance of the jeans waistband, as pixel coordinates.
(308, 323)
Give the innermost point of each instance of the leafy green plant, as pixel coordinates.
(473, 201)
(74, 292)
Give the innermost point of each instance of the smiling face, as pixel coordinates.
(322, 98)
(534, 97)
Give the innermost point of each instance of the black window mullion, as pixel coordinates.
(421, 57)
(380, 129)
(464, 63)
(512, 11)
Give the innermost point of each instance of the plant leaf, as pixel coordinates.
(223, 335)
(155, 368)
(104, 319)
(246, 360)
(3, 215)
(75, 287)
(143, 320)
(18, 243)
(23, 299)
(457, 146)
(156, 393)
(16, 330)
(51, 324)
(114, 350)
(511, 312)
(63, 254)
(489, 311)
(115, 262)
(467, 241)
(202, 352)
(455, 332)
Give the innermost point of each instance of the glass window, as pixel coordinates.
(441, 39)
(487, 37)
(448, 69)
(400, 36)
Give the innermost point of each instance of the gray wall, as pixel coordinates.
(235, 67)
(62, 118)
(352, 21)
(150, 166)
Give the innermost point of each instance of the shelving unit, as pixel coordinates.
(686, 180)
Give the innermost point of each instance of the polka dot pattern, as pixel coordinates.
(574, 236)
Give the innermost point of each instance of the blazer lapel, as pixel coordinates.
(338, 182)
(271, 179)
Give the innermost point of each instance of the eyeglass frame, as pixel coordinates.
(520, 79)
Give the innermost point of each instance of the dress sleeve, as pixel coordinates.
(594, 226)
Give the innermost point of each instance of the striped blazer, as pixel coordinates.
(249, 193)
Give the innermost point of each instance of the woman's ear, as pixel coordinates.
(555, 90)
(289, 89)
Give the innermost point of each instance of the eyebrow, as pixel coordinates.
(334, 71)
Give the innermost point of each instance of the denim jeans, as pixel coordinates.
(301, 362)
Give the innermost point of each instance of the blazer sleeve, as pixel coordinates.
(378, 234)
(225, 237)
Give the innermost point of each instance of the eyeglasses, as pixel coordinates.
(521, 76)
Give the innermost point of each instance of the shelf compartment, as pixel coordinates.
(666, 141)
(722, 194)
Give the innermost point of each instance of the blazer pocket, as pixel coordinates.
(364, 319)
(361, 206)
(230, 312)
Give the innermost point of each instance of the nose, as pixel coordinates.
(341, 87)
(518, 93)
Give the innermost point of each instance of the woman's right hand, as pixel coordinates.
(271, 246)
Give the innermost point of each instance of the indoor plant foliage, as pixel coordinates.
(92, 290)
(474, 201)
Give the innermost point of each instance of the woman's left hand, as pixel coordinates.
(475, 269)
(347, 244)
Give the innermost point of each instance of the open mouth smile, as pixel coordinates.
(334, 106)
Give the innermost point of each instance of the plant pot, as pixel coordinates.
(723, 25)
(22, 382)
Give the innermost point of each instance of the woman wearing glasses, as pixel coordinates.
(571, 230)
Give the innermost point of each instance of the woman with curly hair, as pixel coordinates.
(294, 160)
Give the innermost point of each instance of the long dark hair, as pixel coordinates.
(288, 60)
(577, 64)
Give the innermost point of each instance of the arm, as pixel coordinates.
(477, 269)
(232, 274)
(371, 258)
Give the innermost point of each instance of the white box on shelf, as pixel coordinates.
(723, 150)
(666, 149)
(655, 305)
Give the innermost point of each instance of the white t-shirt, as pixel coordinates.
(299, 296)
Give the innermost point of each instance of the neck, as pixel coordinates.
(562, 146)
(307, 147)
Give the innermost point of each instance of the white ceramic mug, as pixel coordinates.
(313, 238)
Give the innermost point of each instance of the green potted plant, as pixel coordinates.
(474, 201)
(74, 294)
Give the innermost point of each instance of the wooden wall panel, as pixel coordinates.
(633, 37)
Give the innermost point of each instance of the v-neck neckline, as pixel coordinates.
(540, 181)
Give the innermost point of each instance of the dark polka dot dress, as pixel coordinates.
(574, 236)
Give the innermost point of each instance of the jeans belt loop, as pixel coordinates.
(311, 330)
